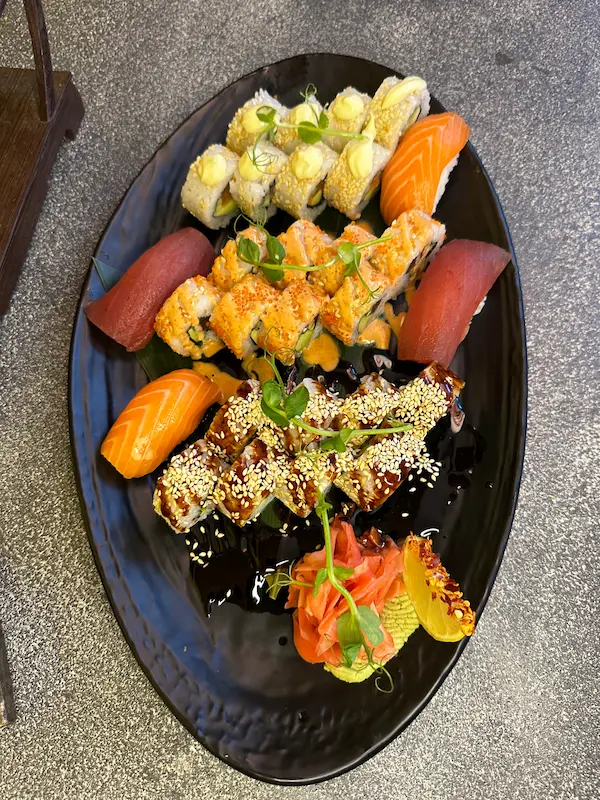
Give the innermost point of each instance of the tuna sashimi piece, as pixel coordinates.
(126, 313)
(417, 173)
(160, 416)
(440, 313)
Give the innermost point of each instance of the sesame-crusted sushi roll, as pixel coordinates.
(244, 490)
(228, 268)
(238, 315)
(426, 399)
(299, 185)
(291, 322)
(205, 193)
(331, 278)
(415, 239)
(368, 406)
(183, 494)
(348, 112)
(356, 175)
(287, 139)
(238, 420)
(303, 477)
(397, 105)
(253, 181)
(182, 322)
(245, 128)
(322, 408)
(355, 304)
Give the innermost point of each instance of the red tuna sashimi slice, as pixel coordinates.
(438, 318)
(126, 313)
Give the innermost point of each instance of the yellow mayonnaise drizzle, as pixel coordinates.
(251, 123)
(402, 90)
(302, 113)
(360, 152)
(211, 168)
(323, 351)
(348, 107)
(307, 162)
(226, 383)
(248, 170)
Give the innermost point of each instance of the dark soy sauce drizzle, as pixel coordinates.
(235, 572)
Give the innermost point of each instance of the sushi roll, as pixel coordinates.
(238, 315)
(238, 420)
(205, 193)
(303, 477)
(321, 410)
(347, 113)
(426, 399)
(356, 175)
(368, 406)
(291, 322)
(415, 239)
(397, 105)
(418, 172)
(228, 268)
(287, 139)
(244, 490)
(353, 306)
(183, 494)
(299, 185)
(304, 243)
(252, 184)
(182, 320)
(245, 128)
(329, 279)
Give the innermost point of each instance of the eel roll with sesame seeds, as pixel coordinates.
(254, 178)
(415, 239)
(292, 321)
(183, 493)
(182, 320)
(368, 406)
(356, 175)
(238, 315)
(299, 186)
(330, 279)
(205, 193)
(322, 408)
(245, 127)
(397, 105)
(303, 477)
(228, 268)
(238, 420)
(247, 487)
(358, 301)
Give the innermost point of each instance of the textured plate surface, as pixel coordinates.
(233, 677)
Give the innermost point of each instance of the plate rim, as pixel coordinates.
(79, 317)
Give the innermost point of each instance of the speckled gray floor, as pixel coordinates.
(519, 716)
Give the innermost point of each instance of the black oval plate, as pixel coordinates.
(233, 677)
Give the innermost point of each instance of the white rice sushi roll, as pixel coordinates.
(356, 175)
(252, 184)
(182, 322)
(347, 113)
(245, 128)
(205, 193)
(299, 186)
(287, 139)
(396, 106)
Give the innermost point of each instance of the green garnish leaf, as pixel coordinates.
(309, 133)
(339, 442)
(370, 625)
(275, 249)
(310, 91)
(349, 631)
(295, 403)
(323, 120)
(272, 396)
(341, 573)
(272, 274)
(350, 653)
(266, 114)
(248, 250)
(320, 578)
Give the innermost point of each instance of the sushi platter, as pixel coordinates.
(297, 398)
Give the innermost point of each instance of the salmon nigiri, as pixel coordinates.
(417, 173)
(440, 313)
(161, 415)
